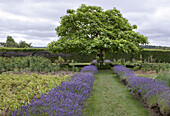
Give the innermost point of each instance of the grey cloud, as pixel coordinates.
(26, 25)
(139, 12)
(39, 33)
(41, 9)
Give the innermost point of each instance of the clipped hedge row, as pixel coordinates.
(159, 55)
(67, 99)
(4, 49)
(154, 93)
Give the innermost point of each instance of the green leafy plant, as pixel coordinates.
(165, 77)
(90, 29)
(29, 63)
(59, 60)
(17, 90)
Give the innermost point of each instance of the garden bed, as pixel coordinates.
(19, 89)
(153, 94)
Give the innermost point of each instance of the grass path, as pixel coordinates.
(111, 98)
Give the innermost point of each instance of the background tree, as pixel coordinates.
(2, 44)
(23, 44)
(10, 42)
(91, 29)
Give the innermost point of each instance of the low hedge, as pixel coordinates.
(4, 49)
(157, 54)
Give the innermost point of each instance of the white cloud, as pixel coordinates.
(162, 14)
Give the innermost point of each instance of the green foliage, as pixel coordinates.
(21, 89)
(73, 64)
(10, 42)
(158, 67)
(23, 44)
(91, 29)
(151, 55)
(157, 55)
(5, 49)
(155, 47)
(104, 67)
(29, 63)
(123, 62)
(60, 60)
(165, 77)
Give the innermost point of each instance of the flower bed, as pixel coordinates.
(90, 68)
(66, 99)
(151, 91)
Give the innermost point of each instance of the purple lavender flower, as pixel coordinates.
(90, 68)
(94, 62)
(64, 100)
(150, 90)
(108, 61)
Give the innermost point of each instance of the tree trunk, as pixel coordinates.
(101, 57)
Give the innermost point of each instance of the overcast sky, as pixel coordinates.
(34, 21)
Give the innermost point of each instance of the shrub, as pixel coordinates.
(91, 68)
(94, 62)
(108, 62)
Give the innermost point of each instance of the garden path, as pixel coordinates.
(111, 98)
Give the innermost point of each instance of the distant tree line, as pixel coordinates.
(10, 42)
(154, 47)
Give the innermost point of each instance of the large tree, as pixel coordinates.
(92, 29)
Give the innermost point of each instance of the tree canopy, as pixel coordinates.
(92, 29)
(10, 42)
(23, 44)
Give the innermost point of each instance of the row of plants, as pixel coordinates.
(7, 49)
(149, 55)
(165, 77)
(17, 90)
(107, 64)
(121, 61)
(161, 69)
(135, 64)
(158, 67)
(30, 63)
(66, 99)
(153, 92)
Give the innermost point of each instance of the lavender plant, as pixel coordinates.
(94, 62)
(152, 91)
(90, 68)
(108, 62)
(64, 100)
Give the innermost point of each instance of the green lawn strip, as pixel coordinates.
(111, 98)
(147, 76)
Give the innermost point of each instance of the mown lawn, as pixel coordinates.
(111, 98)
